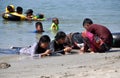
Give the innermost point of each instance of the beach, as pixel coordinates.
(71, 15)
(96, 65)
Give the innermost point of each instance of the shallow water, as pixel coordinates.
(70, 13)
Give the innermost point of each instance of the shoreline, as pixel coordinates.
(97, 65)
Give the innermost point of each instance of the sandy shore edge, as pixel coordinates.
(98, 65)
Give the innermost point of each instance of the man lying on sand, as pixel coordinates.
(57, 45)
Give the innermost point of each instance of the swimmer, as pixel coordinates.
(39, 27)
(10, 9)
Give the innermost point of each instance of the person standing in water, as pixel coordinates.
(39, 30)
(54, 25)
(97, 38)
(39, 27)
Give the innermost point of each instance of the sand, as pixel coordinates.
(97, 65)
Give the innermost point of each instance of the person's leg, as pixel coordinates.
(88, 38)
(9, 51)
(104, 47)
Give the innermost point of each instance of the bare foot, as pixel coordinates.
(81, 52)
(92, 52)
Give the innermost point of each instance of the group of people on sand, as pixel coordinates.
(19, 12)
(95, 38)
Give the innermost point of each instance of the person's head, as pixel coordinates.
(55, 20)
(41, 16)
(19, 10)
(44, 41)
(29, 12)
(60, 37)
(39, 27)
(87, 22)
(10, 8)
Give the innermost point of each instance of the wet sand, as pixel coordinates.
(97, 65)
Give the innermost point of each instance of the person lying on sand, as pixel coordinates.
(40, 48)
(57, 45)
(74, 40)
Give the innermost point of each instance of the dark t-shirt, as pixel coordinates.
(102, 32)
(56, 48)
(39, 50)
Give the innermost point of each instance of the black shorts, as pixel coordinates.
(104, 47)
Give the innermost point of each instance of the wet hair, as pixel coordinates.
(10, 8)
(19, 9)
(40, 16)
(41, 26)
(38, 24)
(60, 35)
(29, 11)
(87, 21)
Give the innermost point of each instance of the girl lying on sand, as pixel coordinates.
(40, 48)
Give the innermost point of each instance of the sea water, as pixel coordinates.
(71, 14)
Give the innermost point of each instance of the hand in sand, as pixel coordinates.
(67, 49)
(46, 53)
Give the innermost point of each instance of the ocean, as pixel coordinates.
(71, 14)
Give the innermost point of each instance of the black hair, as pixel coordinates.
(60, 35)
(29, 11)
(38, 24)
(53, 20)
(87, 21)
(40, 16)
(43, 39)
(41, 26)
(19, 9)
(9, 8)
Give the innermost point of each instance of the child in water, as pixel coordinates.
(55, 23)
(40, 48)
(39, 17)
(29, 14)
(57, 45)
(39, 27)
(19, 12)
(10, 9)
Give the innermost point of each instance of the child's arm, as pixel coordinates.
(46, 53)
